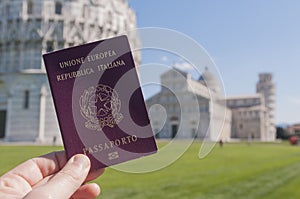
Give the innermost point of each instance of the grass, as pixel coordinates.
(234, 171)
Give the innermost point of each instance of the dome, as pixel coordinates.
(208, 79)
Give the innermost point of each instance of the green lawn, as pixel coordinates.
(234, 171)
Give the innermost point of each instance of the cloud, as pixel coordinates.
(164, 59)
(183, 66)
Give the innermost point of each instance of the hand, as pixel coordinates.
(51, 176)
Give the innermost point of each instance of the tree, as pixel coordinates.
(281, 133)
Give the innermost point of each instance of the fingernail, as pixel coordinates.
(81, 160)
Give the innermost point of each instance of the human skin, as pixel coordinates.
(51, 176)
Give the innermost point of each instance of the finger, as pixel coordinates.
(19, 180)
(34, 170)
(65, 182)
(87, 191)
(91, 176)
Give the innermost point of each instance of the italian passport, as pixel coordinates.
(99, 103)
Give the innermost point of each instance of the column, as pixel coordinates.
(41, 135)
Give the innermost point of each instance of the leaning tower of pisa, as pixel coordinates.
(266, 87)
(29, 28)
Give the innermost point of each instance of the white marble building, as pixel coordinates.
(253, 116)
(188, 108)
(29, 28)
(250, 119)
(266, 87)
(247, 116)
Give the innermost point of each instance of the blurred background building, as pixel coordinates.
(29, 28)
(188, 107)
(247, 116)
(293, 130)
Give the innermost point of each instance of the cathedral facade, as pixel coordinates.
(187, 108)
(29, 28)
(240, 117)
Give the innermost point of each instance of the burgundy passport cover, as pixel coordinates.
(99, 102)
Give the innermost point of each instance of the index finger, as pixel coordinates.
(35, 169)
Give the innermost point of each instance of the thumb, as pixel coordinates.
(66, 181)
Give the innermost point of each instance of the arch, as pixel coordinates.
(26, 99)
(174, 118)
(30, 7)
(58, 8)
(49, 46)
(174, 126)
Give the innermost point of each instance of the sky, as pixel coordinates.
(243, 37)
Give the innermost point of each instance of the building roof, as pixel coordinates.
(256, 95)
(185, 74)
(250, 108)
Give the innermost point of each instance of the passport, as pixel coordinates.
(99, 103)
